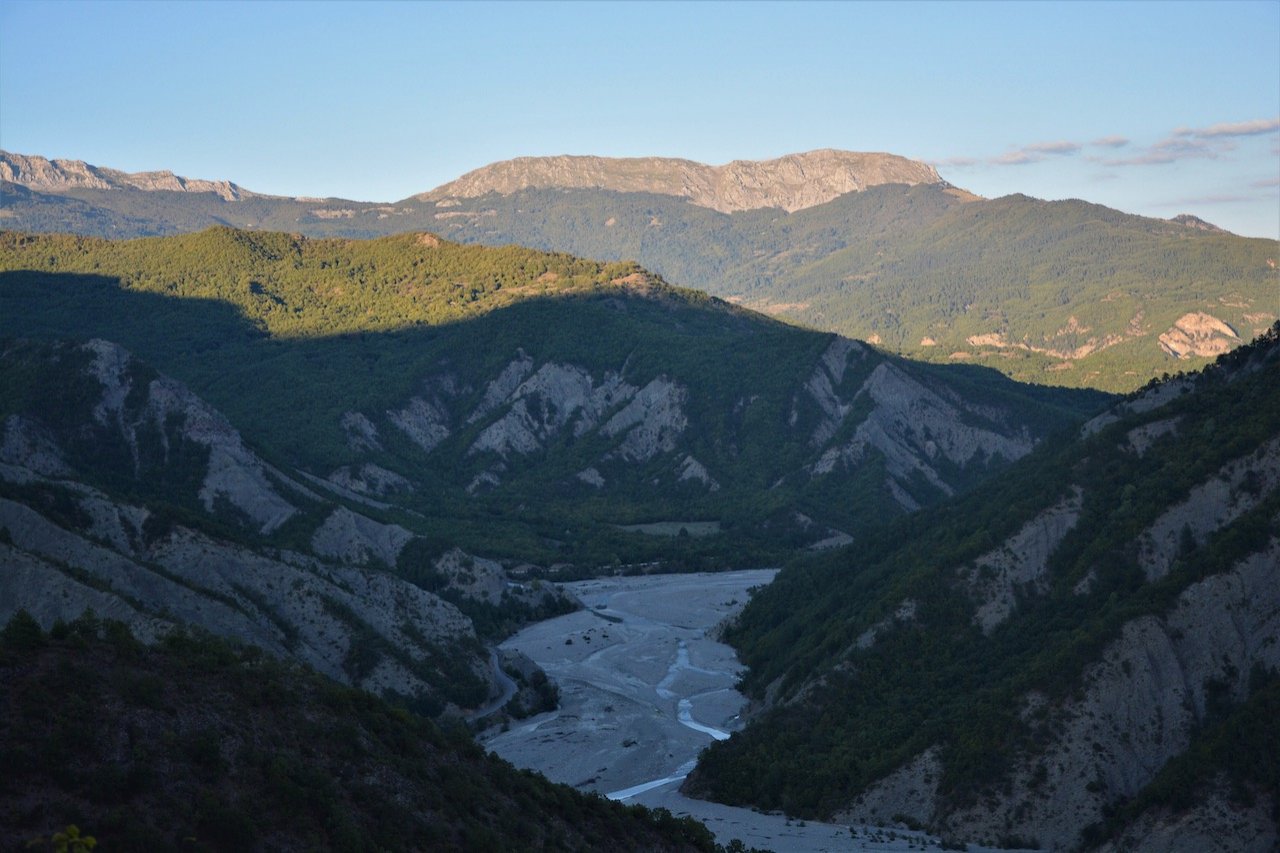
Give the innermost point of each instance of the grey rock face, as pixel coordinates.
(355, 539)
(1237, 488)
(92, 550)
(1022, 561)
(59, 176)
(1140, 705)
(910, 424)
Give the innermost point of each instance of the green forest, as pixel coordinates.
(285, 334)
(919, 270)
(199, 744)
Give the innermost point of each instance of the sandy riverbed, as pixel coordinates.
(643, 690)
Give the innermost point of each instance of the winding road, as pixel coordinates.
(508, 689)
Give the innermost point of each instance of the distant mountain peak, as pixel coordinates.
(792, 182)
(57, 176)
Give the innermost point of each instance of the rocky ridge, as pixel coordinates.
(60, 176)
(791, 183)
(854, 407)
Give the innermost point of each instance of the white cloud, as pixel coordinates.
(1238, 128)
(1021, 157)
(1053, 147)
(1035, 152)
(1111, 142)
(1171, 150)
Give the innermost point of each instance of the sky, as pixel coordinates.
(1149, 107)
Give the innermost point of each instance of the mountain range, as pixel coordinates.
(293, 465)
(871, 246)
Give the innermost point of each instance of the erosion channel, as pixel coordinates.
(642, 691)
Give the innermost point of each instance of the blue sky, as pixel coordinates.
(1154, 108)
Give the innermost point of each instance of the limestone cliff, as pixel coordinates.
(792, 183)
(60, 176)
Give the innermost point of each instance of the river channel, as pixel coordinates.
(643, 690)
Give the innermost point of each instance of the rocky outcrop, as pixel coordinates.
(1140, 706)
(425, 422)
(1019, 565)
(651, 422)
(532, 413)
(1234, 490)
(67, 546)
(359, 540)
(1197, 224)
(370, 480)
(27, 444)
(60, 176)
(692, 470)
(1198, 334)
(290, 605)
(233, 473)
(554, 398)
(361, 434)
(910, 424)
(793, 182)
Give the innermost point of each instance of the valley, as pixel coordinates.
(643, 689)
(514, 489)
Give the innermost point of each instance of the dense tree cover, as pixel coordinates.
(195, 744)
(901, 264)
(285, 334)
(843, 716)
(892, 263)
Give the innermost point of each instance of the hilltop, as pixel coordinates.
(61, 176)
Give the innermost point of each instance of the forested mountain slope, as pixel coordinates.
(871, 246)
(1064, 292)
(1086, 646)
(194, 744)
(528, 406)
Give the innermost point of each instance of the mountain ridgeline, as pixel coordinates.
(871, 246)
(1081, 652)
(532, 407)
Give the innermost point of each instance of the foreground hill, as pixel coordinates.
(872, 246)
(533, 406)
(1085, 650)
(193, 744)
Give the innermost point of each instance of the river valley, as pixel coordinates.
(643, 690)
